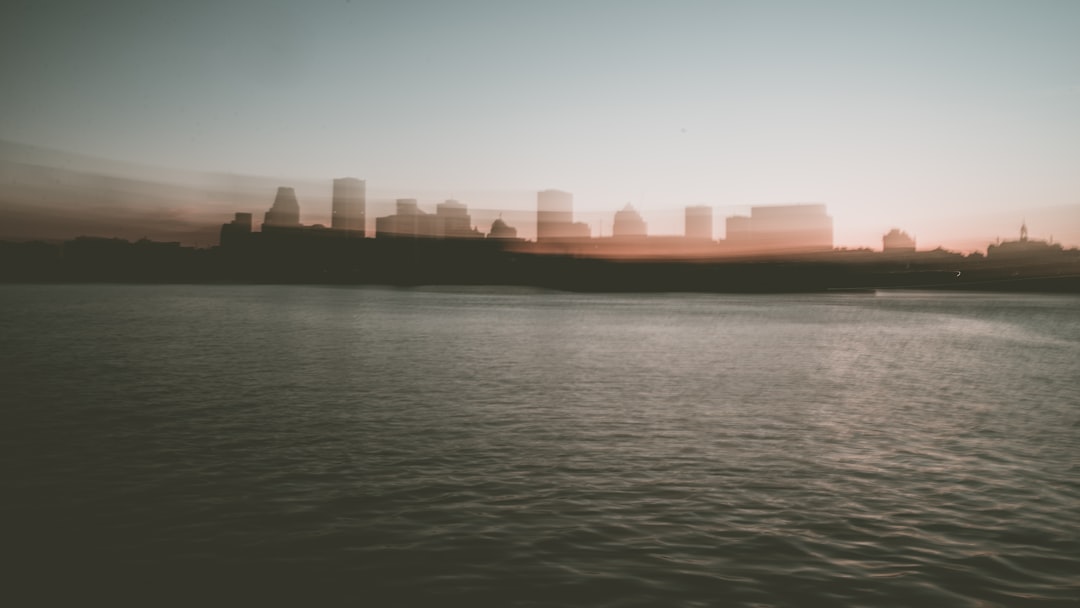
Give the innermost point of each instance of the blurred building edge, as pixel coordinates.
(348, 208)
(555, 217)
(285, 212)
(699, 222)
(629, 224)
(282, 233)
(554, 214)
(802, 228)
(502, 230)
(451, 220)
(897, 241)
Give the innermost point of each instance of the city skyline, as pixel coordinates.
(561, 303)
(767, 230)
(954, 122)
(151, 195)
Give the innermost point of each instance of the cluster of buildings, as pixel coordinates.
(803, 228)
(451, 220)
(769, 229)
(349, 218)
(413, 246)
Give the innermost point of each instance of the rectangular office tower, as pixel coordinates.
(348, 206)
(554, 214)
(782, 229)
(699, 223)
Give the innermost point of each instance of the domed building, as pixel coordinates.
(502, 230)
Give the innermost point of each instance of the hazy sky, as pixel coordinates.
(950, 119)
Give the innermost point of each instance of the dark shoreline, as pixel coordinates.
(414, 262)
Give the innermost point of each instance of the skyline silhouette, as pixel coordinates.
(563, 303)
(953, 122)
(89, 196)
(778, 249)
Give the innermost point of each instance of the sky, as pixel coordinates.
(954, 120)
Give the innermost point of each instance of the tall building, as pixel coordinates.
(628, 223)
(554, 214)
(453, 220)
(699, 223)
(555, 217)
(407, 221)
(285, 211)
(782, 229)
(349, 205)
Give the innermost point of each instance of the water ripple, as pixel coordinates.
(403, 447)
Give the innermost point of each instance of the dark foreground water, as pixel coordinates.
(471, 447)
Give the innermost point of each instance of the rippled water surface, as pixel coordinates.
(486, 447)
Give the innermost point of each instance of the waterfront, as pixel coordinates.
(525, 447)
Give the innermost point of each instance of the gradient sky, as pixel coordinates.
(953, 120)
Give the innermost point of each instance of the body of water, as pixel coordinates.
(512, 447)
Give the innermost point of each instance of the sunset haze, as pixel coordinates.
(952, 121)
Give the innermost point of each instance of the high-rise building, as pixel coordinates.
(628, 223)
(452, 220)
(806, 227)
(781, 229)
(407, 221)
(554, 214)
(285, 211)
(699, 223)
(349, 205)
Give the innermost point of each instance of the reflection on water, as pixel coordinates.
(536, 448)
